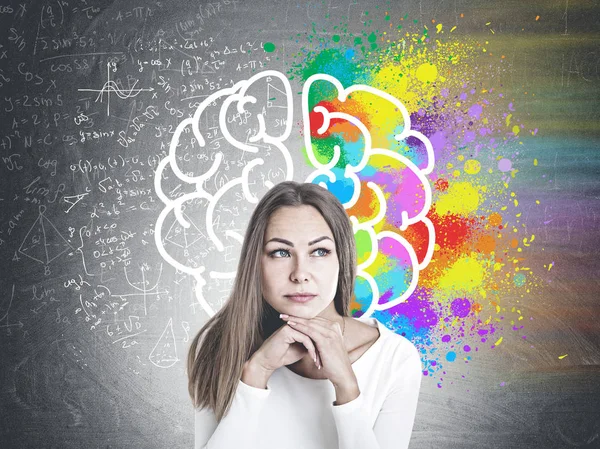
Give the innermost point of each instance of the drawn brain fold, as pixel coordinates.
(358, 138)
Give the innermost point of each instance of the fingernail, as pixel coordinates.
(283, 315)
(292, 323)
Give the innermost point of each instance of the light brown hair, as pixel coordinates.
(230, 337)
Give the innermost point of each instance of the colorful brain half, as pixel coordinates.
(361, 143)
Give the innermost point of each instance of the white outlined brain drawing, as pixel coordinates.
(249, 123)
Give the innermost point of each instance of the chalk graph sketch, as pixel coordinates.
(405, 194)
(110, 86)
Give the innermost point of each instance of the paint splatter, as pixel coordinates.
(480, 254)
(269, 47)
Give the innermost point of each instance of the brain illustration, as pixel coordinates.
(362, 148)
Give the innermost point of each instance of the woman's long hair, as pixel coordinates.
(228, 339)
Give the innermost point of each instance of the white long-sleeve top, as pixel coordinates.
(296, 412)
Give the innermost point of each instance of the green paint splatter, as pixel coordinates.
(336, 38)
(269, 47)
(519, 279)
(331, 62)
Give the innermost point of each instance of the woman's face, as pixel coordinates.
(299, 255)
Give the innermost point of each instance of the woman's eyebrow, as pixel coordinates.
(287, 242)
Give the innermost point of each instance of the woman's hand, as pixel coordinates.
(285, 346)
(333, 357)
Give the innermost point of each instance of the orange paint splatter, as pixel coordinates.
(366, 206)
(495, 219)
(349, 132)
(486, 244)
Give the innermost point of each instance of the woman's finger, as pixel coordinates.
(318, 324)
(305, 330)
(308, 344)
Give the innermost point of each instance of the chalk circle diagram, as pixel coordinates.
(393, 180)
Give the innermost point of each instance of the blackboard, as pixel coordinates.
(96, 315)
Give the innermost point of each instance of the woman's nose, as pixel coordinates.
(300, 273)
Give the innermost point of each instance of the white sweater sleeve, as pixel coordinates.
(394, 423)
(238, 428)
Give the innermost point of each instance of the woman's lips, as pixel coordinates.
(300, 298)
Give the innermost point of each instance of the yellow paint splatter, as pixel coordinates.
(472, 166)
(560, 357)
(466, 275)
(460, 198)
(390, 77)
(499, 341)
(427, 73)
(516, 129)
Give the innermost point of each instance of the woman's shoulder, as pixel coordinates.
(397, 347)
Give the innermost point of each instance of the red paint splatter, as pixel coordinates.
(417, 234)
(316, 120)
(451, 230)
(441, 184)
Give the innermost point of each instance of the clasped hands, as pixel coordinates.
(332, 357)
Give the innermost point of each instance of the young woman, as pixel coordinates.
(282, 365)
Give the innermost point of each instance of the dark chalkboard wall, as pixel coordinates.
(95, 325)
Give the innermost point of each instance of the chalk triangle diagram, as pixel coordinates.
(44, 243)
(184, 237)
(164, 353)
(276, 98)
(207, 68)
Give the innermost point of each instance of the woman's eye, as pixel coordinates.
(325, 251)
(277, 251)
